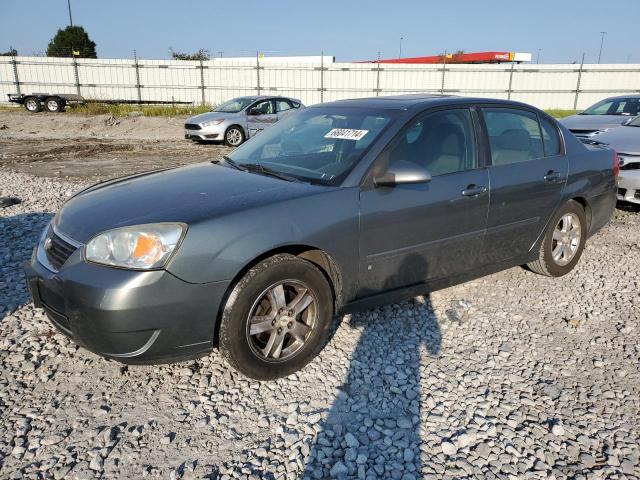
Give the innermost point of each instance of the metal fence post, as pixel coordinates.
(258, 72)
(322, 77)
(137, 67)
(510, 81)
(378, 80)
(202, 80)
(575, 99)
(444, 70)
(77, 74)
(16, 79)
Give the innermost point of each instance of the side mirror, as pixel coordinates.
(401, 173)
(253, 111)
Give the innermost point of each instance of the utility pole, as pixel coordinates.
(601, 42)
(69, 7)
(539, 50)
(400, 52)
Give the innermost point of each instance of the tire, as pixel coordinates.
(552, 261)
(256, 296)
(54, 104)
(32, 104)
(234, 136)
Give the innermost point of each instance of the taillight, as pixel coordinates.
(616, 164)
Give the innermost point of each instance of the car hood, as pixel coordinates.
(593, 122)
(188, 194)
(622, 140)
(204, 117)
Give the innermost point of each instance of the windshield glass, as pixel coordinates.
(616, 106)
(318, 145)
(235, 105)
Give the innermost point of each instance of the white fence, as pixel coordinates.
(546, 86)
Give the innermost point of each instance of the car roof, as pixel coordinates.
(419, 100)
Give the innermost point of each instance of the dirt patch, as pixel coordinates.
(97, 147)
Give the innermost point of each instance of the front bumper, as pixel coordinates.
(129, 316)
(629, 186)
(215, 132)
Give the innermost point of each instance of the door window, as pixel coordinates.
(282, 105)
(442, 142)
(514, 135)
(263, 108)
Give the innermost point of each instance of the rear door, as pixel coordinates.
(411, 234)
(527, 174)
(284, 108)
(261, 115)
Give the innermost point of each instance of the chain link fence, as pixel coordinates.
(562, 86)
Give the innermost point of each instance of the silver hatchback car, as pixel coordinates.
(240, 118)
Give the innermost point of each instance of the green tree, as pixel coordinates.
(10, 53)
(201, 54)
(70, 40)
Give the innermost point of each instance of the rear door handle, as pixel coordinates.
(474, 190)
(552, 177)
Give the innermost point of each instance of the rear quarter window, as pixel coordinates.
(550, 137)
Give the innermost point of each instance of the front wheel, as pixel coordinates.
(234, 136)
(563, 242)
(277, 318)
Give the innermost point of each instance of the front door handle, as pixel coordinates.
(552, 177)
(474, 190)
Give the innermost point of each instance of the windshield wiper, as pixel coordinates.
(256, 167)
(233, 164)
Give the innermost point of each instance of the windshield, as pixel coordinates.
(234, 106)
(318, 145)
(616, 106)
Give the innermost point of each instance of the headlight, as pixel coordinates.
(140, 247)
(211, 123)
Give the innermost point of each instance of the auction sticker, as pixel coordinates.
(346, 133)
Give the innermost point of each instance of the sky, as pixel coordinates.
(559, 31)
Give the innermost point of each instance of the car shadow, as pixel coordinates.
(373, 428)
(19, 234)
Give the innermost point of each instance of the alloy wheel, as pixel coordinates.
(281, 320)
(566, 239)
(234, 137)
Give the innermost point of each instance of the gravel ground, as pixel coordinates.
(510, 376)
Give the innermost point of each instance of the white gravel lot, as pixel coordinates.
(510, 376)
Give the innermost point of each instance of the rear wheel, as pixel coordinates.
(32, 104)
(277, 318)
(54, 104)
(563, 242)
(234, 136)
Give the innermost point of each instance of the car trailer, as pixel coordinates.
(56, 102)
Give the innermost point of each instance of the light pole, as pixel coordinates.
(601, 42)
(539, 50)
(400, 52)
(69, 7)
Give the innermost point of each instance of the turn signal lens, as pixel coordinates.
(616, 164)
(138, 247)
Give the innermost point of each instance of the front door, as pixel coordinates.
(528, 173)
(260, 116)
(411, 234)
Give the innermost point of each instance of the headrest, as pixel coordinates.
(515, 139)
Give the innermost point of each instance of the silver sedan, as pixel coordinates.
(240, 118)
(626, 141)
(603, 116)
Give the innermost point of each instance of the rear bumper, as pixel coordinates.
(629, 186)
(129, 316)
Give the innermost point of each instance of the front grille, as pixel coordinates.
(57, 250)
(192, 126)
(631, 166)
(582, 132)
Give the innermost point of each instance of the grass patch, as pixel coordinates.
(123, 110)
(557, 113)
